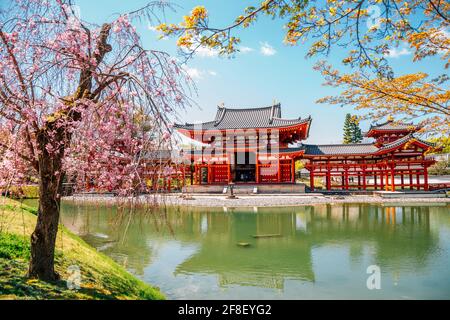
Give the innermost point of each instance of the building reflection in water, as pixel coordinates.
(396, 236)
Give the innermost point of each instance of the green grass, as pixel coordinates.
(101, 277)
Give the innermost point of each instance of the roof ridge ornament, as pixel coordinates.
(220, 114)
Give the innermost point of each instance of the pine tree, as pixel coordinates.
(352, 131)
(357, 134)
(348, 129)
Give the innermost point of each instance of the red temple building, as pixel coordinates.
(246, 146)
(258, 146)
(395, 160)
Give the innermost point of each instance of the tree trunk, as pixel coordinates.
(43, 238)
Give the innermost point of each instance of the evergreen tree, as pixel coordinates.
(352, 131)
(348, 128)
(357, 133)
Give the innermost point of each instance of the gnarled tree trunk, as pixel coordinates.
(43, 238)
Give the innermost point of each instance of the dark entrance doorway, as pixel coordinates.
(244, 167)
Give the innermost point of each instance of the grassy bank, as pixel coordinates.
(101, 277)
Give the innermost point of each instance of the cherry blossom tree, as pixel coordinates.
(73, 96)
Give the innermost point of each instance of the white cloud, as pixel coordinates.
(206, 52)
(396, 53)
(245, 50)
(194, 73)
(198, 74)
(266, 49)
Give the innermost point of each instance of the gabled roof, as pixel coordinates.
(247, 118)
(403, 140)
(392, 125)
(359, 148)
(338, 149)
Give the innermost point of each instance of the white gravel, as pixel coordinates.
(265, 200)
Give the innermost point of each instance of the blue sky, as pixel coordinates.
(268, 71)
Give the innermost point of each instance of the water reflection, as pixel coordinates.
(315, 251)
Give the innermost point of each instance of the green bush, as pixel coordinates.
(13, 246)
(23, 192)
(440, 168)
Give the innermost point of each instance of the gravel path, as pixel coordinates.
(265, 200)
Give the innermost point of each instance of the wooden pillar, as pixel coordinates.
(381, 179)
(375, 183)
(410, 180)
(364, 178)
(425, 177)
(402, 180)
(209, 167)
(279, 169)
(346, 179)
(311, 178)
(392, 177)
(293, 170)
(418, 179)
(257, 167)
(328, 178)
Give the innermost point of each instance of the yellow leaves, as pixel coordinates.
(199, 12)
(185, 41)
(332, 11)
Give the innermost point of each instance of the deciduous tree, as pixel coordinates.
(369, 30)
(69, 91)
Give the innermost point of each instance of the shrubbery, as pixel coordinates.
(440, 168)
(22, 192)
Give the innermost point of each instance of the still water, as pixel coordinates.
(318, 252)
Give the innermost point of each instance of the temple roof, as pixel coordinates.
(246, 118)
(392, 125)
(359, 148)
(336, 149)
(403, 140)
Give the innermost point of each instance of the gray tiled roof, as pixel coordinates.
(391, 125)
(212, 151)
(336, 149)
(226, 118)
(357, 149)
(403, 140)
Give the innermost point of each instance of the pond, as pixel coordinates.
(308, 252)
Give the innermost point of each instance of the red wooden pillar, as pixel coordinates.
(279, 169)
(418, 179)
(381, 179)
(293, 170)
(311, 178)
(257, 168)
(425, 177)
(364, 178)
(346, 179)
(210, 172)
(375, 182)
(392, 177)
(402, 180)
(328, 179)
